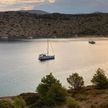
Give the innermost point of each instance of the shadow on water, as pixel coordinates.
(16, 41)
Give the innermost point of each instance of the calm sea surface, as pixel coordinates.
(20, 70)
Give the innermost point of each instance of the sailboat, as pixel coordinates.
(47, 56)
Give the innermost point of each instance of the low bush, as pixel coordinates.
(6, 104)
(72, 103)
(19, 102)
(56, 95)
(30, 98)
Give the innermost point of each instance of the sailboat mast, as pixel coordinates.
(47, 47)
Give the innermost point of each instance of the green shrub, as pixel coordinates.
(72, 103)
(19, 102)
(56, 95)
(46, 83)
(75, 81)
(51, 91)
(100, 80)
(30, 98)
(6, 104)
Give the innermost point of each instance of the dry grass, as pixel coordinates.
(91, 97)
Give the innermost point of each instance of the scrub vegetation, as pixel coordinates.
(51, 94)
(27, 25)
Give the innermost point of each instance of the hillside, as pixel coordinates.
(40, 12)
(24, 25)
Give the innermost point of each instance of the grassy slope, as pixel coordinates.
(91, 97)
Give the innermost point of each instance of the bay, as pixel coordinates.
(21, 71)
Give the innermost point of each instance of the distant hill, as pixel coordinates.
(35, 11)
(24, 25)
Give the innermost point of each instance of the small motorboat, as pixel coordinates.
(92, 42)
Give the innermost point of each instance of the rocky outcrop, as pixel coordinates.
(25, 25)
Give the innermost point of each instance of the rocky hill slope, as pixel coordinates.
(24, 25)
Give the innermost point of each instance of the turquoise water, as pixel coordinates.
(20, 70)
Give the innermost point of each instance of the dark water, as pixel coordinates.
(20, 70)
